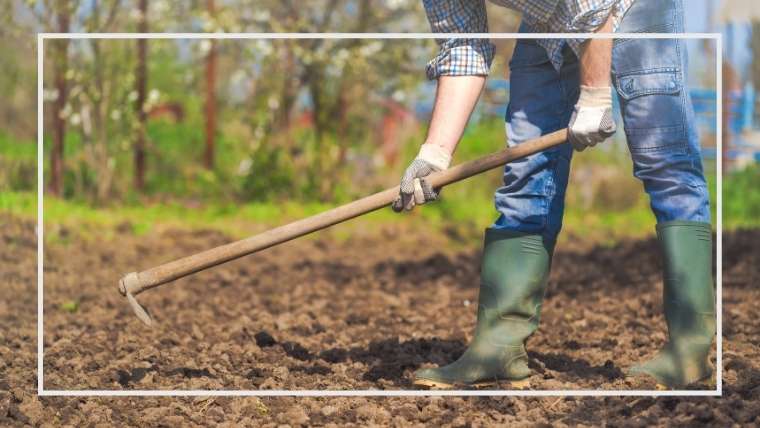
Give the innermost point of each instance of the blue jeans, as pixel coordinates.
(649, 77)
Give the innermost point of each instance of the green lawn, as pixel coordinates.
(462, 210)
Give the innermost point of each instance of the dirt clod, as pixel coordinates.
(264, 339)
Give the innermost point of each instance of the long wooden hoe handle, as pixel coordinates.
(137, 282)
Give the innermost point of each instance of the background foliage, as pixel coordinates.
(302, 125)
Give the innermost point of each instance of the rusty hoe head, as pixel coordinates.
(127, 285)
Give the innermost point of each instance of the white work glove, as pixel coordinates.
(414, 190)
(591, 122)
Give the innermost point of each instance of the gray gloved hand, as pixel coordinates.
(414, 190)
(591, 122)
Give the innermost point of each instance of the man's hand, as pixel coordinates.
(414, 190)
(455, 99)
(591, 122)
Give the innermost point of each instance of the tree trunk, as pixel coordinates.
(290, 86)
(210, 97)
(60, 66)
(99, 121)
(313, 80)
(141, 82)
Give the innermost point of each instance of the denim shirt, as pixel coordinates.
(462, 57)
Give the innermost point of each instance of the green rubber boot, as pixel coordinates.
(513, 275)
(689, 301)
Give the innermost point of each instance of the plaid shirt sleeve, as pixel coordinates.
(459, 57)
(586, 16)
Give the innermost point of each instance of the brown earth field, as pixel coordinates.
(345, 313)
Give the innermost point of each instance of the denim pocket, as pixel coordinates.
(663, 81)
(652, 105)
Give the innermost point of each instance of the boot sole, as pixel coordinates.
(433, 384)
(661, 386)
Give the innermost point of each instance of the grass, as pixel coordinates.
(464, 210)
(464, 218)
(18, 163)
(70, 306)
(741, 198)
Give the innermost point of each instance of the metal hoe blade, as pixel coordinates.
(139, 310)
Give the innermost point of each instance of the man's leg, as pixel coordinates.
(540, 101)
(650, 78)
(518, 247)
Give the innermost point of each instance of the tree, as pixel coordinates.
(340, 76)
(101, 91)
(18, 79)
(103, 111)
(60, 50)
(75, 84)
(210, 109)
(141, 82)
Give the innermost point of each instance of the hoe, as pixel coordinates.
(135, 283)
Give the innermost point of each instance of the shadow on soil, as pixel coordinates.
(387, 359)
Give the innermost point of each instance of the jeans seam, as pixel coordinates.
(661, 129)
(655, 149)
(684, 91)
(653, 70)
(549, 190)
(651, 92)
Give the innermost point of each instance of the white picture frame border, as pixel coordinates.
(41, 391)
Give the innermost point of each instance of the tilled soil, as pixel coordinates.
(362, 313)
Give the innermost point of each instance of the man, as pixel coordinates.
(567, 83)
